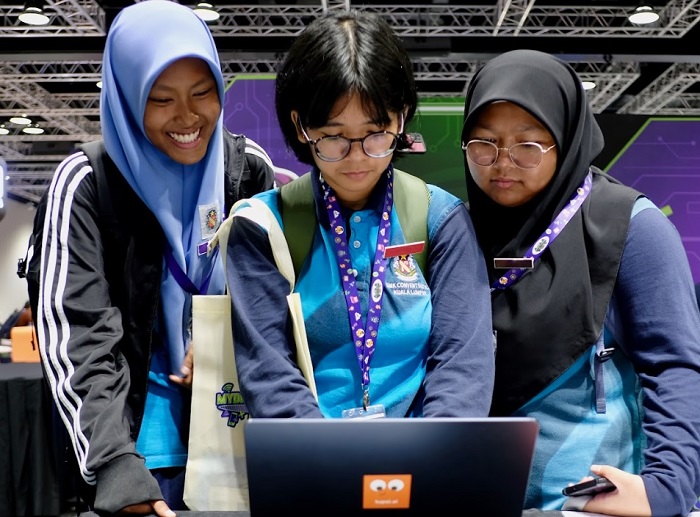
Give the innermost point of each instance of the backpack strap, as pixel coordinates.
(101, 163)
(298, 218)
(411, 201)
(235, 169)
(95, 151)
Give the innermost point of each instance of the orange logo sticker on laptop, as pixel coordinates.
(386, 491)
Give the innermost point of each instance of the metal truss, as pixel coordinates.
(73, 117)
(262, 65)
(666, 95)
(611, 80)
(66, 18)
(29, 181)
(505, 18)
(44, 71)
(684, 104)
(32, 96)
(64, 114)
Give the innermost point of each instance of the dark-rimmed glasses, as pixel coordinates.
(335, 148)
(525, 155)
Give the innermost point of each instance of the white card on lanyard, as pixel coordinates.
(375, 411)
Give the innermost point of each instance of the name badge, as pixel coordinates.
(514, 263)
(375, 411)
(399, 250)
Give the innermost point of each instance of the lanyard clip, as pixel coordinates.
(605, 354)
(365, 398)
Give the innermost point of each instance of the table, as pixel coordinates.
(5, 350)
(526, 513)
(28, 463)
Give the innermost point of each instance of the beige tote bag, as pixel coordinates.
(216, 477)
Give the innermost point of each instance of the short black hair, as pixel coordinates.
(335, 56)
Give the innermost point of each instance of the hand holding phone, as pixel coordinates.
(590, 487)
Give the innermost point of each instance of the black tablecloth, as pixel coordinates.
(526, 513)
(28, 473)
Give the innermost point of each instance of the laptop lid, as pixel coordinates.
(413, 466)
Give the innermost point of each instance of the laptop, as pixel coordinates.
(412, 466)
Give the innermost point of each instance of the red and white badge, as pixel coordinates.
(401, 250)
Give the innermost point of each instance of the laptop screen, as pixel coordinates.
(419, 466)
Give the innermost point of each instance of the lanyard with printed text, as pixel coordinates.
(551, 233)
(364, 334)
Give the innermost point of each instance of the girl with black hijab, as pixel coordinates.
(598, 333)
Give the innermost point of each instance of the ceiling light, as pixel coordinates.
(99, 84)
(21, 120)
(33, 130)
(206, 11)
(4, 130)
(643, 15)
(588, 85)
(33, 14)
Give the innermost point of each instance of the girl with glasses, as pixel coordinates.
(593, 308)
(387, 336)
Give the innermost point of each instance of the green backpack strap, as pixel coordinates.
(298, 218)
(411, 200)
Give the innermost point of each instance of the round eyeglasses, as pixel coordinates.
(526, 155)
(335, 148)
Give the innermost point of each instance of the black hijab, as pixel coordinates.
(555, 312)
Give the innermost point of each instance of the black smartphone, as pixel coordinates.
(590, 487)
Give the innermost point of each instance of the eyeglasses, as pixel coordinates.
(526, 155)
(335, 148)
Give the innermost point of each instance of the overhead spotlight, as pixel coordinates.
(99, 84)
(21, 120)
(588, 85)
(206, 12)
(643, 15)
(33, 130)
(4, 130)
(33, 14)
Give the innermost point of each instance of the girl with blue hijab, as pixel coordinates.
(118, 255)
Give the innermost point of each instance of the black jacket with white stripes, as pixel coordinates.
(94, 279)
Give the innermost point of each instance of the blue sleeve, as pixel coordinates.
(660, 327)
(461, 365)
(271, 382)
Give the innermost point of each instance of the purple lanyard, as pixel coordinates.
(550, 234)
(364, 335)
(182, 279)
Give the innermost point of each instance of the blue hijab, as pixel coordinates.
(145, 38)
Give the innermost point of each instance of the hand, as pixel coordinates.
(159, 508)
(187, 370)
(628, 500)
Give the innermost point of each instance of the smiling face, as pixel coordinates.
(182, 110)
(354, 177)
(506, 124)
